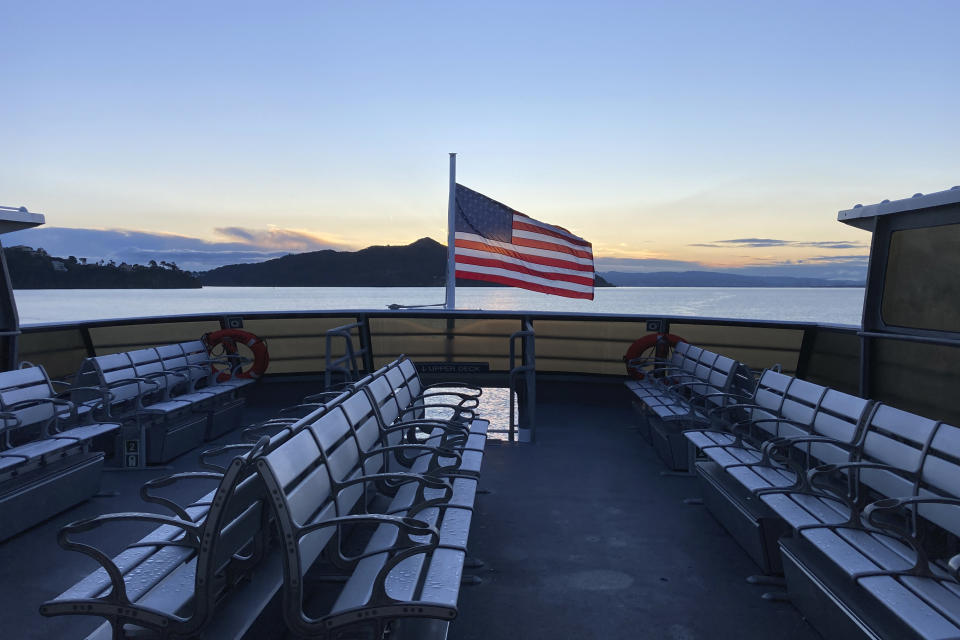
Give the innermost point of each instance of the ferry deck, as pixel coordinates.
(580, 528)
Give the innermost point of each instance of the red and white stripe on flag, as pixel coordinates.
(538, 256)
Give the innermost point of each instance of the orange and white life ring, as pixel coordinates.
(230, 338)
(660, 342)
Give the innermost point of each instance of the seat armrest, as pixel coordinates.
(889, 504)
(424, 480)
(166, 481)
(463, 385)
(411, 526)
(854, 467)
(692, 382)
(755, 421)
(23, 404)
(119, 587)
(442, 452)
(447, 427)
(905, 531)
(56, 402)
(459, 412)
(771, 446)
(244, 447)
(464, 398)
(316, 398)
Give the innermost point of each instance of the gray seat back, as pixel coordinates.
(147, 364)
(22, 392)
(690, 360)
(840, 416)
(410, 374)
(899, 439)
(367, 424)
(768, 398)
(234, 538)
(299, 475)
(174, 361)
(195, 354)
(800, 404)
(110, 372)
(940, 477)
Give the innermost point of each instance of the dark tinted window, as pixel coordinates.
(922, 287)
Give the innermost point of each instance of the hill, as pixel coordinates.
(420, 264)
(716, 279)
(36, 269)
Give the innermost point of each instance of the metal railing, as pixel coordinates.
(346, 365)
(523, 423)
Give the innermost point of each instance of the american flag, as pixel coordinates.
(497, 244)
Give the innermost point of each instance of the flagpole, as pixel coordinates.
(451, 302)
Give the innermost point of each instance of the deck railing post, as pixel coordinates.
(366, 343)
(522, 425)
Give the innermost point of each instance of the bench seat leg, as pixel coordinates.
(670, 444)
(831, 602)
(31, 499)
(224, 418)
(751, 522)
(167, 439)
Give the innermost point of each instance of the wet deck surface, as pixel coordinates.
(581, 535)
(585, 539)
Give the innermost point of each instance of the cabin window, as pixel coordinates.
(922, 285)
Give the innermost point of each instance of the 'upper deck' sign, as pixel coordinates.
(464, 368)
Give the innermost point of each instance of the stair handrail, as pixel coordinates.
(351, 372)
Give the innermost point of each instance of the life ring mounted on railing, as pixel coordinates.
(661, 343)
(230, 339)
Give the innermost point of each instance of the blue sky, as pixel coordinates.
(657, 130)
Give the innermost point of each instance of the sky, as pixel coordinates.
(669, 134)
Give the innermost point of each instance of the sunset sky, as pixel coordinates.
(714, 133)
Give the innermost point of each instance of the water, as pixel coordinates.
(831, 306)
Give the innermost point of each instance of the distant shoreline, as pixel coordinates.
(281, 286)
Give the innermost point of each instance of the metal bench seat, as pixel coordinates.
(419, 391)
(169, 582)
(375, 405)
(391, 401)
(58, 445)
(166, 396)
(686, 397)
(428, 580)
(142, 565)
(464, 495)
(653, 367)
(926, 606)
(905, 583)
(411, 404)
(660, 374)
(47, 457)
(324, 477)
(784, 426)
(668, 409)
(198, 358)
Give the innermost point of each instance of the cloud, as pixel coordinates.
(237, 232)
(759, 243)
(646, 264)
(843, 267)
(857, 259)
(193, 254)
(291, 240)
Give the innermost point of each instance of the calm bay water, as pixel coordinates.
(832, 306)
